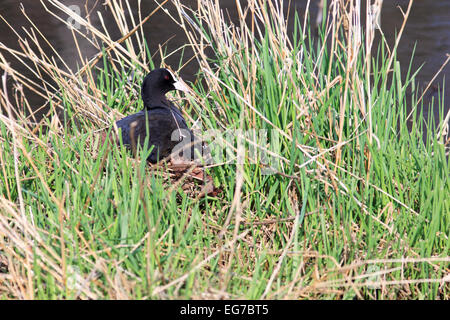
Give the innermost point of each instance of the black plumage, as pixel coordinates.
(161, 122)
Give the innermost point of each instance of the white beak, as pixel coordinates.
(180, 85)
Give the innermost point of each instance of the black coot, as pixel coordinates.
(160, 121)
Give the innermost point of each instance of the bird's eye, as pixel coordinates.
(166, 77)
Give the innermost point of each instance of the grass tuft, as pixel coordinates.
(325, 191)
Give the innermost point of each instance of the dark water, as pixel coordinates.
(428, 28)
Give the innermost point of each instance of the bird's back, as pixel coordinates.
(164, 127)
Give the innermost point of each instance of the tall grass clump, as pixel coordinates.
(324, 191)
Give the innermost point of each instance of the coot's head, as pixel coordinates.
(157, 83)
